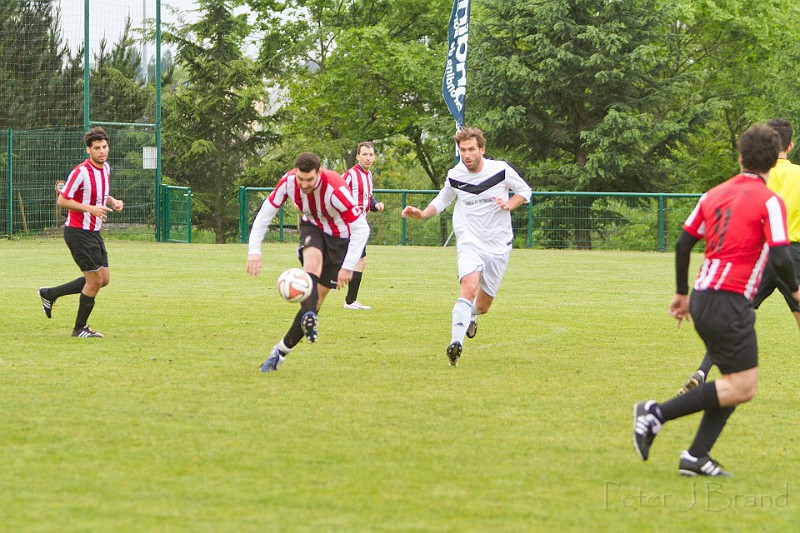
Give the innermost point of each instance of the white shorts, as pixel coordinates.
(491, 266)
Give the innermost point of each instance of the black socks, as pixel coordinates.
(352, 289)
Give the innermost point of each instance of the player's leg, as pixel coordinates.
(310, 255)
(351, 300)
(462, 314)
(494, 269)
(49, 295)
(699, 377)
(90, 254)
(94, 281)
(731, 390)
(794, 307)
(725, 323)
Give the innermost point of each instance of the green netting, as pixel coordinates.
(40, 158)
(43, 106)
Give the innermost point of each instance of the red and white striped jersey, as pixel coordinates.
(330, 206)
(88, 185)
(360, 183)
(740, 220)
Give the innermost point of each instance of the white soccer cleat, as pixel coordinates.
(357, 305)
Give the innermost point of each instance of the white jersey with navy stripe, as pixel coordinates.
(477, 219)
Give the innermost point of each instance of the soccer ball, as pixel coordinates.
(295, 285)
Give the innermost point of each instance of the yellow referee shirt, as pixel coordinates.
(784, 180)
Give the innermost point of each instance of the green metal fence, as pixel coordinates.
(176, 213)
(31, 161)
(575, 220)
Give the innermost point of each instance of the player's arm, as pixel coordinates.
(522, 191)
(512, 203)
(679, 307)
(781, 262)
(419, 214)
(114, 204)
(99, 211)
(437, 205)
(375, 205)
(257, 234)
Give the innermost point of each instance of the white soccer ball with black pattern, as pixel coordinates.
(295, 285)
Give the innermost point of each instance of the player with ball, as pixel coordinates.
(333, 232)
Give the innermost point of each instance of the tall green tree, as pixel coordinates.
(581, 91)
(746, 58)
(351, 71)
(215, 123)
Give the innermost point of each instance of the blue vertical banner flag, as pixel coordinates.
(454, 83)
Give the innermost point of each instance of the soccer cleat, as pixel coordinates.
(86, 332)
(702, 466)
(698, 378)
(274, 361)
(454, 352)
(357, 305)
(645, 428)
(472, 329)
(47, 303)
(309, 324)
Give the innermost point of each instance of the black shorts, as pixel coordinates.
(770, 281)
(333, 251)
(87, 247)
(725, 322)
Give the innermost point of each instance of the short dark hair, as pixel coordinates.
(470, 133)
(95, 134)
(759, 147)
(365, 144)
(784, 129)
(307, 161)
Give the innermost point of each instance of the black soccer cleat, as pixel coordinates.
(645, 427)
(86, 333)
(47, 303)
(309, 324)
(472, 329)
(701, 466)
(454, 352)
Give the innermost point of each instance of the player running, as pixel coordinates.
(743, 223)
(86, 196)
(333, 233)
(482, 224)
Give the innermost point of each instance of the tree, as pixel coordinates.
(581, 95)
(35, 92)
(118, 93)
(351, 71)
(213, 125)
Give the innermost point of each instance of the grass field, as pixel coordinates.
(167, 424)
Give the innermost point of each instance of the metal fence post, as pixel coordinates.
(529, 243)
(403, 198)
(242, 213)
(10, 184)
(189, 215)
(661, 244)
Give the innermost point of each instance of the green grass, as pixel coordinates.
(167, 425)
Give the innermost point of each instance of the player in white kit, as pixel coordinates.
(482, 225)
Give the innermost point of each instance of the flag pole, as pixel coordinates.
(454, 81)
